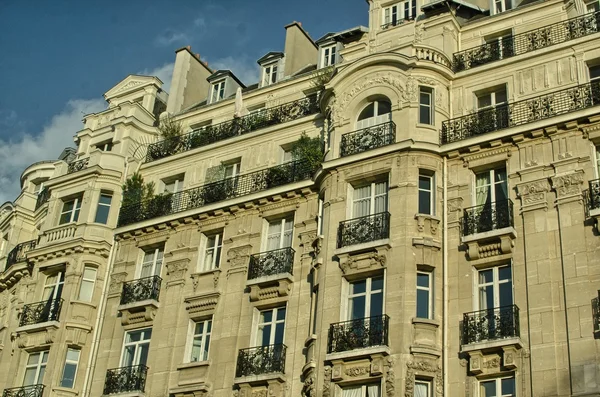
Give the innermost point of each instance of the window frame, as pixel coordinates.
(105, 146)
(496, 282)
(218, 91)
(273, 323)
(204, 336)
(372, 198)
(87, 281)
(498, 384)
(39, 365)
(430, 107)
(426, 174)
(56, 287)
(492, 92)
(175, 181)
(269, 73)
(75, 363)
(283, 221)
(348, 296)
(429, 290)
(594, 68)
(364, 389)
(154, 263)
(492, 172)
(101, 204)
(217, 247)
(74, 212)
(136, 355)
(427, 383)
(329, 55)
(506, 5)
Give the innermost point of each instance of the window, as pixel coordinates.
(495, 287)
(597, 165)
(493, 98)
(287, 156)
(500, 45)
(37, 187)
(594, 72)
(362, 391)
(426, 105)
(35, 368)
(369, 199)
(270, 74)
(426, 193)
(593, 6)
(393, 14)
(105, 146)
(422, 388)
(173, 185)
(501, 6)
(501, 387)
(329, 55)
(320, 217)
(271, 327)
(377, 112)
(424, 294)
(365, 298)
(152, 262)
(70, 369)
(70, 210)
(135, 347)
(103, 208)
(218, 91)
(88, 280)
(279, 234)
(491, 187)
(200, 340)
(54, 286)
(232, 169)
(212, 252)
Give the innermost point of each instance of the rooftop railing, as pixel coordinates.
(125, 379)
(271, 263)
(358, 334)
(487, 217)
(18, 253)
(522, 43)
(232, 128)
(41, 312)
(237, 186)
(261, 360)
(490, 324)
(503, 116)
(368, 138)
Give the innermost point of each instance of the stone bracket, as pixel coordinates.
(259, 292)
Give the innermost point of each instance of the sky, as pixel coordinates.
(58, 57)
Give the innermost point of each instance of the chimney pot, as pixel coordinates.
(188, 47)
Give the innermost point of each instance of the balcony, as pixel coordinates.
(18, 253)
(364, 229)
(40, 312)
(488, 217)
(543, 107)
(358, 334)
(522, 43)
(228, 188)
(368, 138)
(147, 288)
(78, 165)
(594, 198)
(271, 263)
(596, 313)
(239, 126)
(24, 391)
(490, 325)
(42, 198)
(261, 360)
(125, 379)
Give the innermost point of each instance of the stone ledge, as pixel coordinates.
(46, 325)
(356, 353)
(193, 364)
(278, 376)
(491, 344)
(270, 279)
(362, 247)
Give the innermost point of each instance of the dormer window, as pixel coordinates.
(501, 6)
(329, 55)
(218, 91)
(270, 74)
(394, 14)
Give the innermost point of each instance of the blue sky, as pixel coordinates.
(58, 57)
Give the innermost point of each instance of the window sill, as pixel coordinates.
(194, 364)
(65, 391)
(47, 325)
(362, 247)
(83, 303)
(426, 321)
(427, 127)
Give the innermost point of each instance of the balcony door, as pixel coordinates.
(492, 110)
(495, 297)
(365, 298)
(279, 234)
(491, 195)
(35, 368)
(271, 327)
(377, 112)
(52, 294)
(152, 263)
(136, 347)
(369, 199)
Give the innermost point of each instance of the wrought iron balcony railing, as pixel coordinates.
(78, 165)
(358, 334)
(42, 197)
(232, 128)
(488, 217)
(271, 263)
(490, 324)
(125, 379)
(364, 229)
(596, 312)
(237, 186)
(261, 360)
(141, 289)
(594, 194)
(24, 391)
(18, 253)
(40, 312)
(522, 43)
(522, 112)
(368, 138)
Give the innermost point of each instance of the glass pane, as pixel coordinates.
(40, 377)
(501, 96)
(357, 308)
(424, 202)
(33, 359)
(266, 317)
(422, 303)
(73, 355)
(68, 378)
(44, 357)
(506, 297)
(488, 389)
(196, 349)
(105, 199)
(86, 291)
(281, 314)
(424, 182)
(209, 326)
(508, 386)
(143, 354)
(206, 345)
(486, 276)
(134, 336)
(102, 214)
(383, 107)
(486, 297)
(377, 284)
(128, 356)
(376, 305)
(65, 218)
(30, 376)
(358, 287)
(279, 330)
(423, 280)
(424, 114)
(504, 273)
(68, 206)
(424, 98)
(265, 335)
(89, 273)
(484, 101)
(367, 112)
(199, 328)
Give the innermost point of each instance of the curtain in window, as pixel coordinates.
(362, 201)
(373, 391)
(353, 392)
(482, 188)
(501, 185)
(380, 197)
(421, 390)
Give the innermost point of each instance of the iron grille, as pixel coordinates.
(522, 112)
(488, 217)
(232, 128)
(594, 194)
(78, 165)
(358, 334)
(271, 262)
(216, 191)
(364, 229)
(24, 391)
(368, 138)
(125, 379)
(141, 289)
(42, 198)
(40, 312)
(522, 43)
(18, 253)
(261, 360)
(490, 324)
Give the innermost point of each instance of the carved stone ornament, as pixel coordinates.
(306, 240)
(533, 192)
(390, 378)
(327, 381)
(568, 184)
(419, 29)
(309, 389)
(394, 81)
(357, 371)
(238, 256)
(428, 367)
(203, 304)
(116, 280)
(176, 269)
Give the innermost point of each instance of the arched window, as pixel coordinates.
(376, 112)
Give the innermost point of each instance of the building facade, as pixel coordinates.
(446, 242)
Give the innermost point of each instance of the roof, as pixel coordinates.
(435, 4)
(326, 37)
(344, 34)
(225, 73)
(270, 55)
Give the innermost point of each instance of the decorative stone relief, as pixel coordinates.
(357, 371)
(419, 29)
(390, 378)
(382, 80)
(310, 388)
(116, 279)
(306, 240)
(361, 262)
(258, 293)
(327, 381)
(238, 258)
(428, 367)
(176, 270)
(567, 185)
(534, 192)
(198, 305)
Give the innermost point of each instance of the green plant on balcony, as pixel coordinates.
(309, 151)
(171, 132)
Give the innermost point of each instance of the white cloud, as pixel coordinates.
(169, 37)
(243, 67)
(164, 73)
(16, 155)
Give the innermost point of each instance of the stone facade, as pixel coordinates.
(447, 244)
